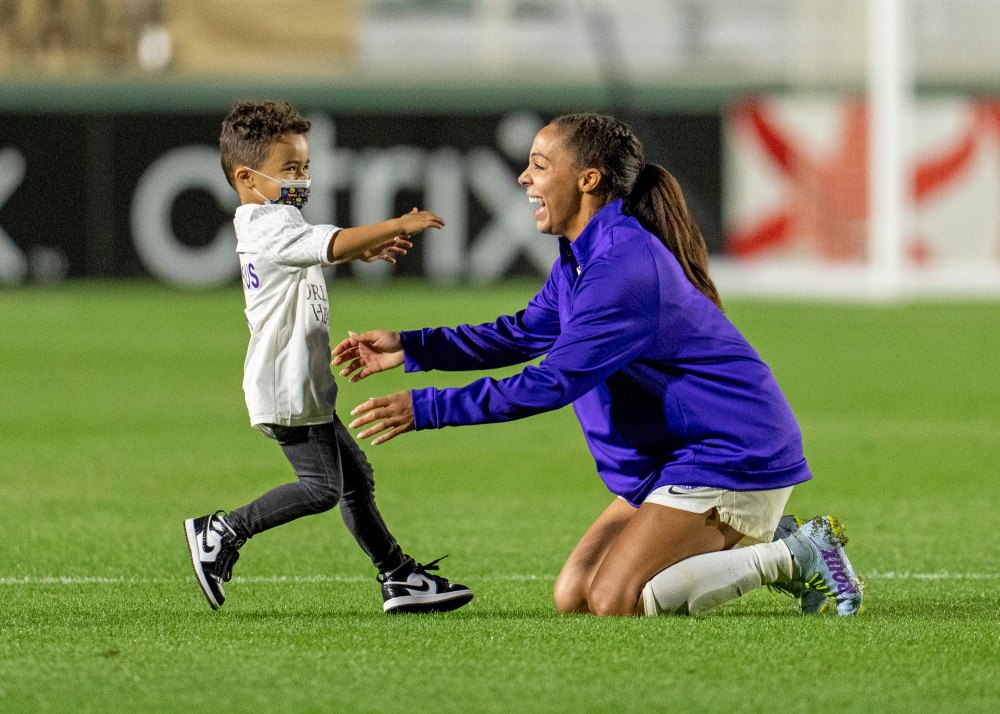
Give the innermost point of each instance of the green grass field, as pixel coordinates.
(121, 414)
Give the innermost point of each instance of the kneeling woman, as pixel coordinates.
(686, 423)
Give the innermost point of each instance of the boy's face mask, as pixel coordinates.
(292, 192)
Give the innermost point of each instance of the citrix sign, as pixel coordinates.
(135, 195)
(372, 178)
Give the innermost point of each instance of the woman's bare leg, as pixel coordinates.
(574, 579)
(626, 547)
(655, 538)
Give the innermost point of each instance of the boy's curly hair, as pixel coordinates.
(250, 130)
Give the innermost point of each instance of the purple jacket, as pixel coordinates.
(666, 389)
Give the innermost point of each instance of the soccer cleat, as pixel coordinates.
(214, 548)
(411, 589)
(812, 602)
(821, 563)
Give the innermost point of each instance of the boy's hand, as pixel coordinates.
(369, 352)
(415, 221)
(395, 412)
(380, 241)
(387, 251)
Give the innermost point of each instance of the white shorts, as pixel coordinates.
(755, 514)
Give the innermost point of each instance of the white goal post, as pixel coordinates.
(924, 219)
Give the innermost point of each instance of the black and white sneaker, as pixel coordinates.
(411, 589)
(214, 548)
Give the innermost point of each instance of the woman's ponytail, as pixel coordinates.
(657, 202)
(648, 191)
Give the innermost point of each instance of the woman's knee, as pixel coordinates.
(569, 594)
(612, 598)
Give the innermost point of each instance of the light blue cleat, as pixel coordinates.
(821, 564)
(812, 602)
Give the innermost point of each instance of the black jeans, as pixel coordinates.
(332, 469)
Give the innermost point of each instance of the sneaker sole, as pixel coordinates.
(192, 539)
(414, 605)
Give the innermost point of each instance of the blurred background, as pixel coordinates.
(830, 149)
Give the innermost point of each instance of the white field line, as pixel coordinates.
(312, 579)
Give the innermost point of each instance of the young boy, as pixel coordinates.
(290, 391)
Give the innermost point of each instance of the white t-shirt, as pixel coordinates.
(286, 376)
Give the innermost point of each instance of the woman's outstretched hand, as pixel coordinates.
(368, 353)
(393, 414)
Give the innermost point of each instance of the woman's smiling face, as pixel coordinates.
(553, 183)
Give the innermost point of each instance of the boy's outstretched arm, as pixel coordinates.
(359, 241)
